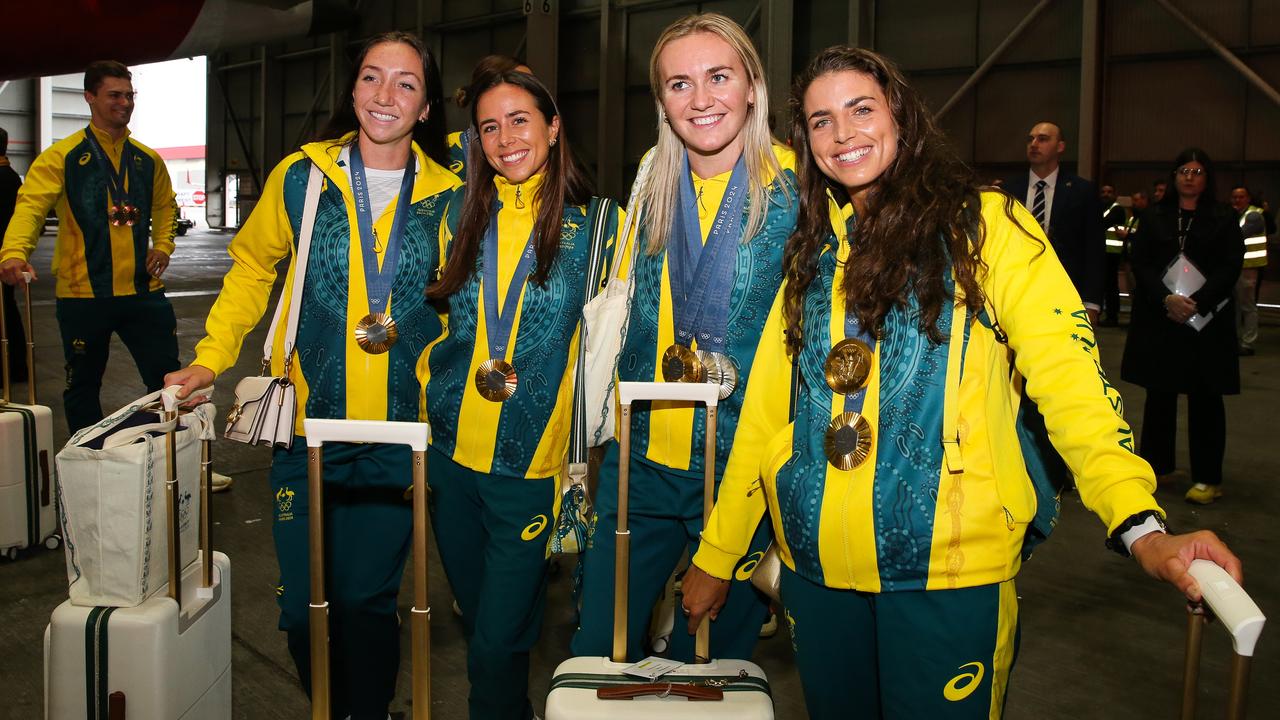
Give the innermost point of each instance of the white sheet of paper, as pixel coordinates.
(651, 668)
(1183, 277)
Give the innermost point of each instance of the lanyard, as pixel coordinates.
(702, 276)
(854, 401)
(498, 325)
(1183, 232)
(115, 178)
(378, 281)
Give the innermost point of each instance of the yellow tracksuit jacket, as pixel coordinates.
(92, 258)
(944, 499)
(334, 377)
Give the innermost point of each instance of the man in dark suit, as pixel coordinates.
(1067, 207)
(9, 184)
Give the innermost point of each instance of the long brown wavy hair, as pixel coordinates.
(922, 217)
(563, 182)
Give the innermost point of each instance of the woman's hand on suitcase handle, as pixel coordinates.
(1167, 557)
(11, 271)
(191, 378)
(702, 594)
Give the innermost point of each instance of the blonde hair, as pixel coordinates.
(661, 190)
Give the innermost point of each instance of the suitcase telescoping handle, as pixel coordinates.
(1240, 615)
(31, 347)
(628, 392)
(170, 409)
(416, 436)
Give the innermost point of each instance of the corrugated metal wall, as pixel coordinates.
(1161, 88)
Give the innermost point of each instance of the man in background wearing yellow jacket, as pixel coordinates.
(116, 215)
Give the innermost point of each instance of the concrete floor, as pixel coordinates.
(1099, 640)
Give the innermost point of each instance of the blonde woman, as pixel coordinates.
(717, 208)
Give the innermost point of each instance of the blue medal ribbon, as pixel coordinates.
(702, 276)
(115, 178)
(498, 325)
(377, 280)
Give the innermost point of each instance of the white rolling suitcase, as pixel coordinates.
(595, 687)
(415, 435)
(28, 480)
(166, 659)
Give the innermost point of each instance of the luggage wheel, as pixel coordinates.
(53, 542)
(11, 553)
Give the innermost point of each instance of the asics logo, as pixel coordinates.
(534, 529)
(963, 685)
(744, 570)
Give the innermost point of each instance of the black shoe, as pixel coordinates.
(1246, 352)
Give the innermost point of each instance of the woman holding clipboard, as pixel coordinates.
(1179, 342)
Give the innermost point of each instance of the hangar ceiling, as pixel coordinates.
(1129, 82)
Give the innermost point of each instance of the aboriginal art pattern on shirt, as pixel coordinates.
(323, 325)
(907, 449)
(88, 198)
(757, 275)
(548, 319)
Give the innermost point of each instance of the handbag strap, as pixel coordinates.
(314, 184)
(601, 210)
(634, 211)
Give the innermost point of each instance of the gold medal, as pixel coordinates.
(496, 380)
(376, 333)
(131, 215)
(848, 440)
(848, 366)
(721, 371)
(116, 216)
(680, 364)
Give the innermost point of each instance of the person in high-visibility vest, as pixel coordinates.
(1254, 228)
(1115, 219)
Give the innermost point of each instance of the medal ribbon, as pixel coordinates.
(115, 178)
(377, 281)
(702, 276)
(498, 325)
(854, 401)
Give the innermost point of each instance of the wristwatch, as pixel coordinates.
(1137, 526)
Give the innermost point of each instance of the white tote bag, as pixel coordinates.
(605, 323)
(111, 495)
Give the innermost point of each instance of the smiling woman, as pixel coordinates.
(716, 207)
(897, 493)
(354, 353)
(520, 249)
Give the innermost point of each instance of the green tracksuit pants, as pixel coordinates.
(492, 532)
(944, 654)
(664, 519)
(145, 323)
(368, 526)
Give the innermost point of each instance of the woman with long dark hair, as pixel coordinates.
(899, 500)
(500, 381)
(1182, 340)
(717, 205)
(362, 328)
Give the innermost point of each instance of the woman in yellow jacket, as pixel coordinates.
(717, 207)
(374, 247)
(899, 499)
(499, 384)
